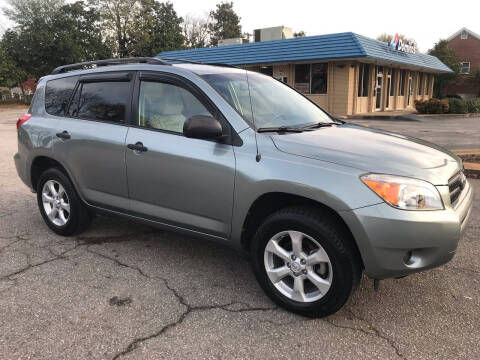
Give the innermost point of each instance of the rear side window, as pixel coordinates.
(58, 93)
(102, 101)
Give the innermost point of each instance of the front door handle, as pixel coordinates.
(64, 135)
(137, 147)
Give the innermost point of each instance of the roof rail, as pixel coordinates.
(146, 60)
(196, 62)
(222, 64)
(181, 60)
(107, 62)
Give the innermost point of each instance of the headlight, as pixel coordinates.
(403, 192)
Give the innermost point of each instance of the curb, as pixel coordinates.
(406, 117)
(441, 116)
(471, 162)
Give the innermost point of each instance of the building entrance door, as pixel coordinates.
(389, 85)
(379, 88)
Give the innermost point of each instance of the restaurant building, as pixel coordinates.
(344, 73)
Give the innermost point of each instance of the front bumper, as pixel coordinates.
(396, 243)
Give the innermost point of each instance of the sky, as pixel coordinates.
(426, 21)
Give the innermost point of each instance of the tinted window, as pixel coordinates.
(166, 106)
(57, 94)
(104, 101)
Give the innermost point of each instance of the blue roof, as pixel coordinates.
(321, 47)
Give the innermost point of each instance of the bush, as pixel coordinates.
(453, 96)
(473, 105)
(457, 106)
(432, 106)
(13, 101)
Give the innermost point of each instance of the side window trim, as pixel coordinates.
(106, 77)
(77, 88)
(177, 80)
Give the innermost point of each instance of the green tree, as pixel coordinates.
(448, 57)
(157, 28)
(474, 79)
(49, 33)
(79, 33)
(225, 23)
(300, 33)
(10, 74)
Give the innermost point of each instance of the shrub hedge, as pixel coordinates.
(457, 106)
(473, 105)
(450, 105)
(432, 106)
(12, 101)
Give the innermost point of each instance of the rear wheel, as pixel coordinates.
(61, 208)
(305, 262)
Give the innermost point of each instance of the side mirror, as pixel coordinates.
(202, 127)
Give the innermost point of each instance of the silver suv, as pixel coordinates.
(240, 158)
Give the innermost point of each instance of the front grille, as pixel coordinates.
(456, 184)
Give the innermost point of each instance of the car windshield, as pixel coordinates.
(272, 103)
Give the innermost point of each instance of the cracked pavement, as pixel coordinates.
(127, 291)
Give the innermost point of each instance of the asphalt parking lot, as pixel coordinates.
(452, 133)
(123, 290)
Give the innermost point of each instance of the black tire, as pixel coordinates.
(335, 240)
(79, 217)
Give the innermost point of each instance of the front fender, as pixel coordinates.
(335, 186)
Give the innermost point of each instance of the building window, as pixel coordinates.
(420, 83)
(403, 75)
(302, 78)
(363, 79)
(464, 35)
(319, 78)
(392, 82)
(465, 69)
(311, 78)
(266, 70)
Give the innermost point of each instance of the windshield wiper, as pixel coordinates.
(280, 129)
(319, 125)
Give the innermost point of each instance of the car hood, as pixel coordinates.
(373, 150)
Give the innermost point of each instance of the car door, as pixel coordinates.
(182, 182)
(91, 137)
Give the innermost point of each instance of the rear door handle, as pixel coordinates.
(64, 135)
(137, 147)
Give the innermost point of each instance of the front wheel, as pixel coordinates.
(305, 262)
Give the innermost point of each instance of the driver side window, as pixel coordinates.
(165, 106)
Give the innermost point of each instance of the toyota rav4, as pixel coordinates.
(237, 157)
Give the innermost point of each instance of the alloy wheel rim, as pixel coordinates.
(56, 203)
(298, 266)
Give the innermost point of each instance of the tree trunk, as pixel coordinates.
(21, 88)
